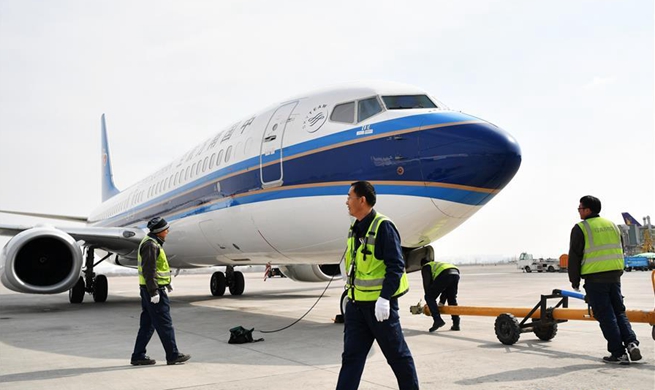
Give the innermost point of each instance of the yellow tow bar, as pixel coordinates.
(544, 319)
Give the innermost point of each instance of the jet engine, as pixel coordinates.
(41, 260)
(311, 272)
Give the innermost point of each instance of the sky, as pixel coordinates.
(572, 81)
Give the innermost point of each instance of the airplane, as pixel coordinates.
(629, 219)
(271, 188)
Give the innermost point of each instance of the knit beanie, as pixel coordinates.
(157, 225)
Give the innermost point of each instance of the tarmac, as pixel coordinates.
(48, 343)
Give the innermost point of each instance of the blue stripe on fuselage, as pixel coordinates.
(240, 182)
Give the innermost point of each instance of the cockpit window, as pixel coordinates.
(367, 108)
(344, 113)
(406, 102)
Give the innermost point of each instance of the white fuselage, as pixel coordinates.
(272, 187)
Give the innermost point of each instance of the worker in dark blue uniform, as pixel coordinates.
(154, 284)
(596, 255)
(440, 280)
(376, 278)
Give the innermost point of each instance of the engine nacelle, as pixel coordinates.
(311, 272)
(41, 260)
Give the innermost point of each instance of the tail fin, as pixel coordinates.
(108, 188)
(629, 220)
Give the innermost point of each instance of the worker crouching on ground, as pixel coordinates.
(440, 279)
(596, 255)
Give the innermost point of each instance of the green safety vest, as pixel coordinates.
(163, 270)
(602, 246)
(438, 268)
(366, 274)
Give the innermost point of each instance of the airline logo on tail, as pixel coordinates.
(629, 219)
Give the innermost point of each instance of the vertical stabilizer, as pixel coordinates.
(108, 188)
(629, 219)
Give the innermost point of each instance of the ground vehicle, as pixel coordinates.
(636, 263)
(528, 263)
(563, 262)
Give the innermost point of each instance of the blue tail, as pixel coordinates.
(108, 188)
(629, 219)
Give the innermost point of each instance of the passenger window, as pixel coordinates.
(228, 153)
(247, 146)
(204, 164)
(211, 161)
(367, 108)
(343, 113)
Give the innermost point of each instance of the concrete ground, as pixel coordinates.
(47, 343)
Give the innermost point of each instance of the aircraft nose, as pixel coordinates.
(470, 162)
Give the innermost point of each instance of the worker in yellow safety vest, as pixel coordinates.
(440, 280)
(596, 255)
(155, 284)
(376, 278)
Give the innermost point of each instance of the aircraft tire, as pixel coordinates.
(100, 289)
(238, 284)
(76, 294)
(507, 329)
(217, 284)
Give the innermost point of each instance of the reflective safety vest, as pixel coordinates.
(163, 270)
(602, 246)
(366, 273)
(438, 268)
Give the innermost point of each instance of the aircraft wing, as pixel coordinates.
(112, 239)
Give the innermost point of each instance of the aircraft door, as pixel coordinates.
(270, 157)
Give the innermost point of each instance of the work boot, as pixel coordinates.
(635, 353)
(181, 358)
(623, 359)
(436, 325)
(144, 361)
(455, 323)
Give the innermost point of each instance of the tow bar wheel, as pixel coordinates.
(507, 329)
(545, 332)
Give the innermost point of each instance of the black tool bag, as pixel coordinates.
(241, 335)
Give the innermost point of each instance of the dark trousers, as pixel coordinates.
(606, 301)
(445, 285)
(360, 329)
(155, 318)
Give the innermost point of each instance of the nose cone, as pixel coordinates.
(470, 161)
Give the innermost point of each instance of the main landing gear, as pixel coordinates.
(90, 283)
(232, 279)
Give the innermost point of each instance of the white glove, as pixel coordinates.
(154, 299)
(382, 309)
